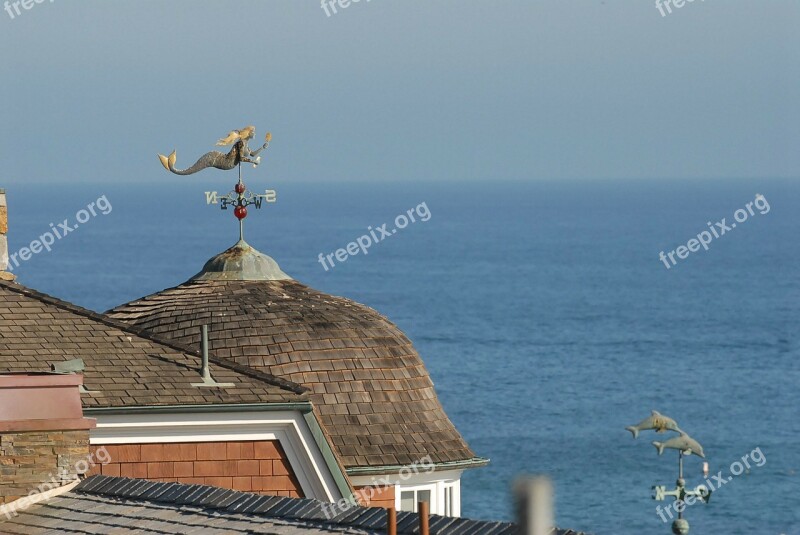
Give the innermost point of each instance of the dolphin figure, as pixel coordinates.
(656, 421)
(684, 443)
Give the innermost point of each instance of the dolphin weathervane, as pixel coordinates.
(685, 445)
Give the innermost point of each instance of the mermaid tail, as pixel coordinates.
(214, 159)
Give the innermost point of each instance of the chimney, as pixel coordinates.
(44, 438)
(534, 503)
(4, 275)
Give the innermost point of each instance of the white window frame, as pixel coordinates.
(435, 482)
(454, 488)
(434, 505)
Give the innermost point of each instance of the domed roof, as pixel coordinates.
(369, 385)
(241, 262)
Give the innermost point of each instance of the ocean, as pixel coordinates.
(542, 311)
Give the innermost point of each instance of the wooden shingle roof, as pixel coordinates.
(368, 384)
(124, 367)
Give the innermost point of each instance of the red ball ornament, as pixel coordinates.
(240, 212)
(239, 188)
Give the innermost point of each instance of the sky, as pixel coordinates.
(402, 90)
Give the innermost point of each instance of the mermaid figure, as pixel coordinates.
(240, 152)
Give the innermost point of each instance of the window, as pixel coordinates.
(424, 496)
(443, 494)
(407, 501)
(410, 498)
(448, 501)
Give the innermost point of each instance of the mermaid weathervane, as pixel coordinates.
(240, 198)
(239, 153)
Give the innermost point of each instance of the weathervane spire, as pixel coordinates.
(685, 445)
(240, 198)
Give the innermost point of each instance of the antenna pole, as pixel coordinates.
(205, 371)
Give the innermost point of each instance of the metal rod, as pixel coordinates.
(205, 370)
(239, 203)
(680, 482)
(391, 521)
(424, 529)
(206, 373)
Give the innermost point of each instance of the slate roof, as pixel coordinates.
(368, 383)
(103, 504)
(124, 366)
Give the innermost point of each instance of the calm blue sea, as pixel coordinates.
(542, 311)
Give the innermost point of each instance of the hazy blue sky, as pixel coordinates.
(404, 89)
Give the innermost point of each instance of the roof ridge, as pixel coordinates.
(273, 380)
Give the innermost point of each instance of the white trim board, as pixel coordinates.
(289, 428)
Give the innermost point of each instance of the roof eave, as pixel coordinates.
(302, 406)
(475, 462)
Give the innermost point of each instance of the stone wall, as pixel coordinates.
(39, 461)
(4, 275)
(44, 438)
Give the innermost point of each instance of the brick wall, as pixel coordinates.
(40, 460)
(376, 496)
(260, 466)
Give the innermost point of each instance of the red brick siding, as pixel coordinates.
(381, 496)
(261, 467)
